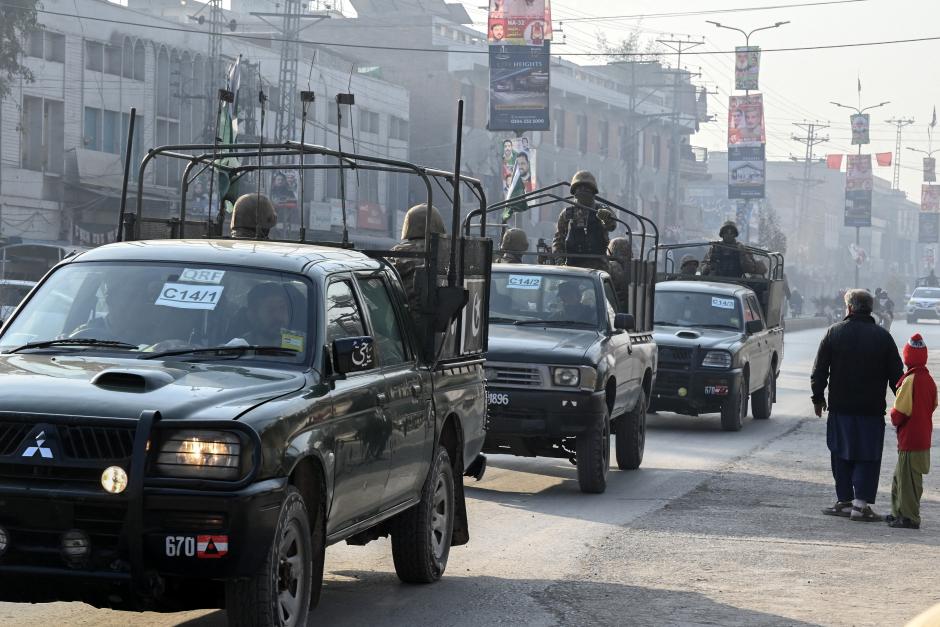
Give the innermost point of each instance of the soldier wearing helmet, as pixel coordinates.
(253, 217)
(729, 258)
(514, 245)
(413, 232)
(688, 266)
(622, 253)
(583, 229)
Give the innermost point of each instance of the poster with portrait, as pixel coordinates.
(746, 67)
(746, 172)
(930, 170)
(519, 88)
(858, 188)
(930, 198)
(929, 228)
(519, 22)
(517, 167)
(861, 123)
(746, 120)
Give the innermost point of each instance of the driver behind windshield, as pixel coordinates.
(572, 309)
(268, 314)
(128, 313)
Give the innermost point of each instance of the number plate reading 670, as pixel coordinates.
(497, 398)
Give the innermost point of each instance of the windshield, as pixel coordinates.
(926, 292)
(156, 307)
(689, 309)
(535, 298)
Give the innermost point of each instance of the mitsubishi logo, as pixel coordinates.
(44, 451)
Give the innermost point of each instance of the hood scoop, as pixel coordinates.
(688, 335)
(123, 380)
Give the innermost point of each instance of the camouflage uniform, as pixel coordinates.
(253, 217)
(619, 248)
(514, 244)
(724, 260)
(412, 235)
(582, 230)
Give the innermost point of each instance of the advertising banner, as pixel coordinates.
(930, 198)
(520, 22)
(746, 120)
(746, 172)
(746, 67)
(517, 167)
(930, 170)
(858, 186)
(519, 82)
(929, 228)
(861, 123)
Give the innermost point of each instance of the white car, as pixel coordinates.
(923, 304)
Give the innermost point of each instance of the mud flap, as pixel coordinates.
(461, 533)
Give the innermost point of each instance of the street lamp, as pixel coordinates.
(747, 35)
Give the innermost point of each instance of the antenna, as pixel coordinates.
(350, 100)
(306, 99)
(262, 100)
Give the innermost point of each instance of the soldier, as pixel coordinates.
(412, 235)
(583, 229)
(730, 258)
(253, 217)
(514, 245)
(622, 253)
(689, 266)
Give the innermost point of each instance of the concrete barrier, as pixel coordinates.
(803, 324)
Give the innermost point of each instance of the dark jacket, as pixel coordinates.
(858, 360)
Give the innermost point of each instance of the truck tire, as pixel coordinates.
(593, 457)
(421, 536)
(762, 401)
(630, 440)
(734, 409)
(279, 594)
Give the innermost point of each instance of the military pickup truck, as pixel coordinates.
(188, 423)
(720, 341)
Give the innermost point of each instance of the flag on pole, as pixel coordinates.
(834, 162)
(933, 122)
(859, 84)
(883, 159)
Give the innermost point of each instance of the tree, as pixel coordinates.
(17, 20)
(770, 237)
(633, 48)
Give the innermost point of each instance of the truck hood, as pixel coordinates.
(122, 388)
(687, 337)
(528, 344)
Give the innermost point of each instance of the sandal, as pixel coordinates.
(865, 514)
(842, 509)
(903, 523)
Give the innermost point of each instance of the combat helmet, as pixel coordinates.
(728, 225)
(620, 247)
(414, 224)
(515, 240)
(253, 215)
(584, 178)
(688, 259)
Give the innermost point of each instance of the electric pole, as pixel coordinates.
(810, 140)
(216, 75)
(899, 123)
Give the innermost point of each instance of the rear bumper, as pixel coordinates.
(542, 413)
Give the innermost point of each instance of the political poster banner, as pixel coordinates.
(929, 228)
(519, 88)
(520, 22)
(746, 120)
(746, 172)
(930, 198)
(930, 170)
(517, 169)
(861, 123)
(746, 67)
(858, 188)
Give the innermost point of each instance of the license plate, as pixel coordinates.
(497, 398)
(716, 390)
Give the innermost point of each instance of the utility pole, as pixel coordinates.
(671, 213)
(810, 140)
(215, 77)
(899, 123)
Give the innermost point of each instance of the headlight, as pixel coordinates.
(717, 359)
(566, 377)
(200, 455)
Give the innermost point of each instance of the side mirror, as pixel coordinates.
(624, 322)
(353, 354)
(754, 326)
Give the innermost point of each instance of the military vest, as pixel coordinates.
(727, 261)
(585, 233)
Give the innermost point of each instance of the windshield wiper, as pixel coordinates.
(555, 323)
(719, 326)
(75, 341)
(499, 320)
(219, 350)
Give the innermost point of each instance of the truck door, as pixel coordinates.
(360, 427)
(407, 405)
(760, 343)
(626, 369)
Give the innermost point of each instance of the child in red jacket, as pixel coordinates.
(912, 415)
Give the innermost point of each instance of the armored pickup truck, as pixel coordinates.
(720, 342)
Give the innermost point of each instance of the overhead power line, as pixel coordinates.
(642, 16)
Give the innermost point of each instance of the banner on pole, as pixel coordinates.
(746, 172)
(930, 198)
(883, 159)
(520, 22)
(861, 123)
(929, 228)
(858, 188)
(834, 162)
(746, 120)
(930, 170)
(517, 169)
(519, 88)
(746, 67)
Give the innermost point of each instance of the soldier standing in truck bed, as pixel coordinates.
(514, 245)
(583, 229)
(730, 258)
(412, 240)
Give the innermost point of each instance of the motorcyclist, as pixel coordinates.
(583, 229)
(884, 308)
(253, 217)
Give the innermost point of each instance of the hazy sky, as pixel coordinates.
(797, 86)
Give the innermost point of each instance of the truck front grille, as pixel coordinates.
(11, 436)
(90, 443)
(669, 354)
(514, 375)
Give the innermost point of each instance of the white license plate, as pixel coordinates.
(497, 398)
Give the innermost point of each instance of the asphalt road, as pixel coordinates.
(536, 540)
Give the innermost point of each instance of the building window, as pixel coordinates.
(113, 58)
(560, 128)
(368, 186)
(347, 111)
(657, 151)
(140, 61)
(43, 44)
(582, 134)
(398, 128)
(397, 191)
(603, 137)
(92, 133)
(94, 56)
(368, 121)
(43, 129)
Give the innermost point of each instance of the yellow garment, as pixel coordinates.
(904, 401)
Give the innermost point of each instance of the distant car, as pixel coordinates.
(12, 294)
(923, 304)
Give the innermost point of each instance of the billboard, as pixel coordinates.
(519, 85)
(746, 120)
(930, 198)
(519, 22)
(861, 123)
(746, 172)
(746, 67)
(929, 228)
(517, 167)
(858, 187)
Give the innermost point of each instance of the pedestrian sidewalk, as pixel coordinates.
(749, 546)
